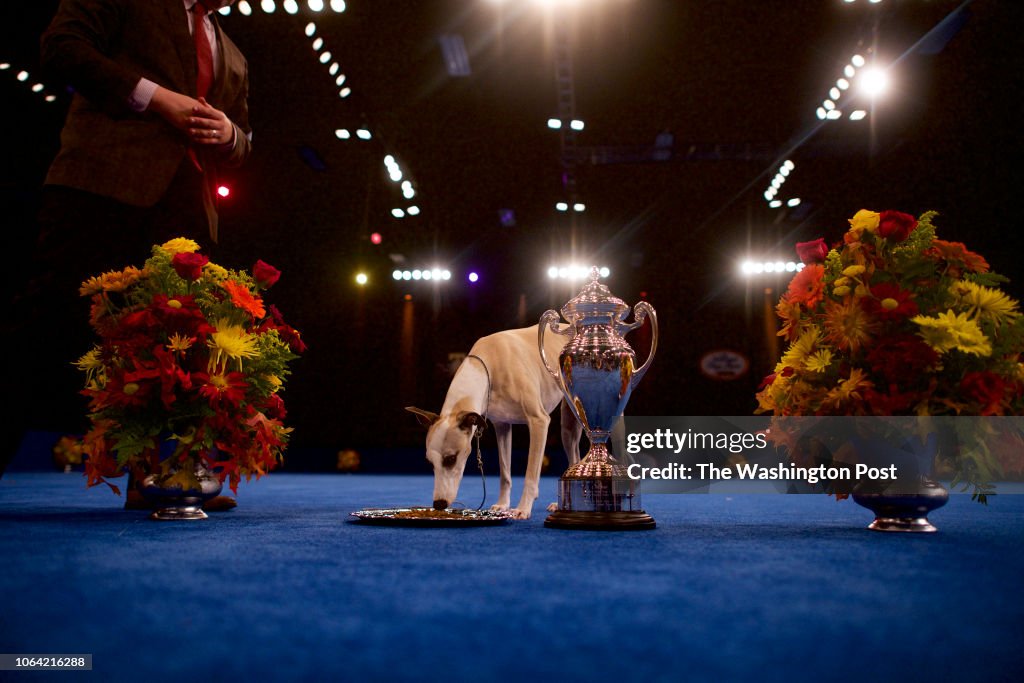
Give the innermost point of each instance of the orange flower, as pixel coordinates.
(848, 325)
(808, 286)
(956, 254)
(244, 299)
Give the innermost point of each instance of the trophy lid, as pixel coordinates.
(595, 300)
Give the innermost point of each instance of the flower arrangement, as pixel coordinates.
(894, 321)
(190, 357)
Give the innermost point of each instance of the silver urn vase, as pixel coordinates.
(597, 371)
(173, 500)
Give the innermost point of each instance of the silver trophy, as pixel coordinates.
(597, 372)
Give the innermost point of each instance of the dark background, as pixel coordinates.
(735, 82)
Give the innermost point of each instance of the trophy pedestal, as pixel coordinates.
(600, 521)
(597, 494)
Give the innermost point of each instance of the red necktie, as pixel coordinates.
(204, 56)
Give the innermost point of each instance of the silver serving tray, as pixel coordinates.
(442, 518)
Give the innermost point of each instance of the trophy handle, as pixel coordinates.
(550, 319)
(641, 312)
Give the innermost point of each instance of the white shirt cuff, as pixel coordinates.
(142, 95)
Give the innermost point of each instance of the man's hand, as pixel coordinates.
(204, 124)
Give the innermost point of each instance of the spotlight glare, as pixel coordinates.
(413, 211)
(325, 57)
(316, 5)
(473, 277)
(334, 68)
(795, 201)
(398, 213)
(427, 275)
(361, 279)
(342, 134)
(790, 266)
(51, 98)
(318, 43)
(821, 113)
(417, 275)
(340, 80)
(788, 164)
(406, 275)
(223, 191)
(554, 124)
(363, 134)
(834, 93)
(849, 71)
(857, 61)
(397, 275)
(829, 105)
(768, 196)
(835, 114)
(310, 29)
(345, 92)
(604, 272)
(268, 6)
(38, 87)
(552, 272)
(576, 124)
(874, 82)
(561, 206)
(375, 238)
(291, 7)
(338, 6)
(857, 115)
(5, 66)
(446, 275)
(579, 208)
(22, 76)
(775, 203)
(244, 8)
(843, 84)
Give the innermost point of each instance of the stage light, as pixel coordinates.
(552, 272)
(874, 82)
(413, 210)
(857, 61)
(310, 29)
(325, 57)
(843, 84)
(244, 8)
(473, 277)
(397, 275)
(361, 279)
(406, 275)
(5, 66)
(775, 203)
(223, 191)
(576, 124)
(829, 105)
(340, 80)
(795, 201)
(398, 213)
(38, 87)
(290, 6)
(363, 134)
(768, 196)
(857, 115)
(345, 92)
(604, 272)
(834, 114)
(342, 134)
(554, 124)
(316, 5)
(375, 238)
(22, 76)
(318, 43)
(428, 275)
(784, 171)
(389, 160)
(338, 6)
(561, 206)
(268, 6)
(334, 68)
(821, 113)
(776, 183)
(51, 98)
(417, 275)
(579, 207)
(788, 164)
(407, 191)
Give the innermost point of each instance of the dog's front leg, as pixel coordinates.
(503, 431)
(531, 484)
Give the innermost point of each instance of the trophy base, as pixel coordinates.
(636, 520)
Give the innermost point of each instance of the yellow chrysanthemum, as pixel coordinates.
(92, 365)
(849, 390)
(230, 343)
(950, 330)
(177, 342)
(112, 281)
(985, 302)
(180, 245)
(215, 271)
(864, 220)
(797, 353)
(819, 360)
(274, 381)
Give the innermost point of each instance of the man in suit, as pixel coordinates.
(160, 102)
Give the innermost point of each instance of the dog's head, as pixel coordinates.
(449, 442)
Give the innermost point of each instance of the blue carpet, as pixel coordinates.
(765, 587)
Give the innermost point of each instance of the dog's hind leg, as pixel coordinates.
(571, 431)
(503, 431)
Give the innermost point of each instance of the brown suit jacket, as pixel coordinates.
(102, 48)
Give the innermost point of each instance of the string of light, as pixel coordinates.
(24, 77)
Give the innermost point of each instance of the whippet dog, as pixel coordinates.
(502, 379)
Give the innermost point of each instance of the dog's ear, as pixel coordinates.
(468, 419)
(424, 417)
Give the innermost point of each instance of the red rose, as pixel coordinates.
(265, 274)
(896, 226)
(189, 266)
(812, 252)
(986, 388)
